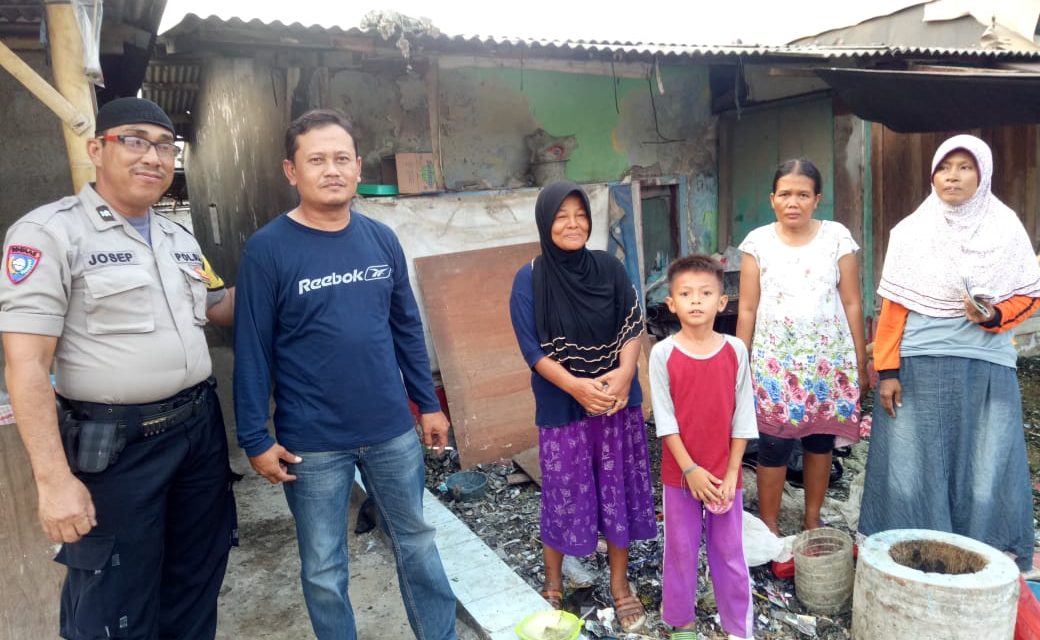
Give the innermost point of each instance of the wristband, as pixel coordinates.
(692, 467)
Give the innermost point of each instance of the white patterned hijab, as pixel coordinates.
(936, 248)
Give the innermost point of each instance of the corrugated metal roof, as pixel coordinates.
(172, 85)
(20, 18)
(173, 79)
(25, 16)
(295, 34)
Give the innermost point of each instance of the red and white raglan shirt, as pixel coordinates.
(706, 399)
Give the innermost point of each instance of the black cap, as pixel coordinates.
(131, 111)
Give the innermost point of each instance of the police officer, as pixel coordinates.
(132, 472)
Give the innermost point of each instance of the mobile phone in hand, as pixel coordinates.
(977, 297)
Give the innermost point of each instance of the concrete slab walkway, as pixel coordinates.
(261, 597)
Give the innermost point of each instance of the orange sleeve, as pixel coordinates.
(889, 335)
(1013, 312)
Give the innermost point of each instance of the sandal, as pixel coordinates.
(683, 635)
(554, 597)
(629, 606)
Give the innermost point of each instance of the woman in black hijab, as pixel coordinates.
(578, 322)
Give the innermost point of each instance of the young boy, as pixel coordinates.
(705, 414)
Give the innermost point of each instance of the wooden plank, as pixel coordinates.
(528, 461)
(486, 380)
(848, 175)
(517, 478)
(29, 592)
(433, 104)
(877, 222)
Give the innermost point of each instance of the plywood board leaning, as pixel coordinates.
(486, 381)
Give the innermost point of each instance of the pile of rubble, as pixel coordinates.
(506, 518)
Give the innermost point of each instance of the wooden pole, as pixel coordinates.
(66, 49)
(43, 91)
(433, 103)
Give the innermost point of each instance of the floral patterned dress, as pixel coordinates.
(803, 359)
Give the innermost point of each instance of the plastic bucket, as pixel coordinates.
(466, 485)
(823, 574)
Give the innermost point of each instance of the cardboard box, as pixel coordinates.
(411, 172)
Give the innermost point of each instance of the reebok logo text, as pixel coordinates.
(378, 272)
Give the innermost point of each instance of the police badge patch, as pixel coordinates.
(21, 262)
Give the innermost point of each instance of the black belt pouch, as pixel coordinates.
(91, 446)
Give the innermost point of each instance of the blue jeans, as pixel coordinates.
(394, 474)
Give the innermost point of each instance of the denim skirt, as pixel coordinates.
(954, 457)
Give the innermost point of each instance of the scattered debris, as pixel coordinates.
(391, 23)
(577, 576)
(803, 623)
(507, 519)
(518, 478)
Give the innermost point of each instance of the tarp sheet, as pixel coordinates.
(917, 101)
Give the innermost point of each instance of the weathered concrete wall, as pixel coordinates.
(241, 114)
(760, 139)
(389, 110)
(486, 112)
(235, 160)
(34, 167)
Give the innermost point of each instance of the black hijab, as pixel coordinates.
(585, 307)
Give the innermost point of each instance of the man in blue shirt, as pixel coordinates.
(325, 311)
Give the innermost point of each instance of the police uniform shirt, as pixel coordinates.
(128, 316)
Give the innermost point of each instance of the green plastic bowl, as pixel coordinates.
(551, 624)
(365, 189)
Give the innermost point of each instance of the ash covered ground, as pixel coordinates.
(507, 518)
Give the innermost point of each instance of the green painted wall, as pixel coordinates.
(491, 108)
(486, 112)
(764, 138)
(571, 104)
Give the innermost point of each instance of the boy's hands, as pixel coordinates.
(728, 488)
(703, 485)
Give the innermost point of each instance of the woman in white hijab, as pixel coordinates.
(948, 451)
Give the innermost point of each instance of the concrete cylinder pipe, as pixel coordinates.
(917, 583)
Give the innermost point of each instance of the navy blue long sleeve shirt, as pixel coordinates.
(330, 320)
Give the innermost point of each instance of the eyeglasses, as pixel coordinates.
(140, 146)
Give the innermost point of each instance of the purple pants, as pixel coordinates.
(684, 519)
(596, 477)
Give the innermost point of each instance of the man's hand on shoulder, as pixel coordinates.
(434, 430)
(66, 509)
(273, 464)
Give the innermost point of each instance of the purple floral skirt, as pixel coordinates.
(596, 478)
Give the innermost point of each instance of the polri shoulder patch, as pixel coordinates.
(21, 261)
(203, 275)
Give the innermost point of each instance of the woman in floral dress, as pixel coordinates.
(801, 318)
